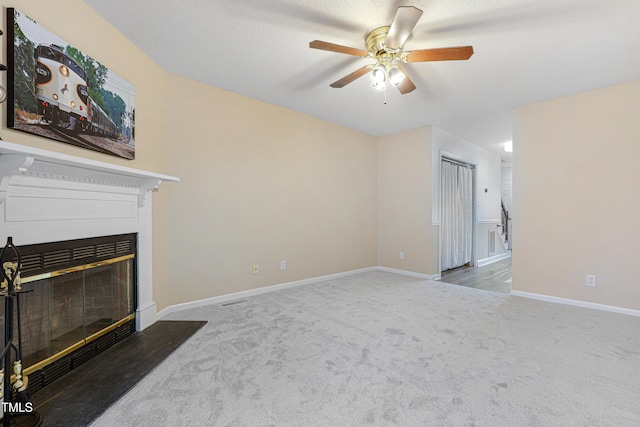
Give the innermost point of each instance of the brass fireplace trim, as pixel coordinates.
(64, 271)
(108, 329)
(74, 347)
(62, 353)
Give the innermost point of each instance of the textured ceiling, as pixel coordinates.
(525, 51)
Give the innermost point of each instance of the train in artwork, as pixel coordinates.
(62, 94)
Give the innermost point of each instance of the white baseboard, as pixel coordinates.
(406, 273)
(145, 316)
(272, 288)
(243, 294)
(495, 258)
(577, 303)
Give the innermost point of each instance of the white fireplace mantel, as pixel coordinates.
(18, 160)
(47, 196)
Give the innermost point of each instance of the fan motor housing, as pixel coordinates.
(375, 40)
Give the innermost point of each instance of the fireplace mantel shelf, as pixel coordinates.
(17, 160)
(47, 196)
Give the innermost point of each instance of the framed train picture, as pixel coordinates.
(58, 92)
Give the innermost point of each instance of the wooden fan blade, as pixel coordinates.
(318, 44)
(351, 77)
(442, 54)
(406, 18)
(406, 85)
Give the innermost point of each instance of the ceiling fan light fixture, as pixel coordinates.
(385, 45)
(396, 76)
(379, 74)
(379, 85)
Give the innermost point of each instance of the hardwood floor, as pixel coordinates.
(494, 277)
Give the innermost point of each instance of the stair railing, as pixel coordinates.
(505, 221)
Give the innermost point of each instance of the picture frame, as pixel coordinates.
(56, 91)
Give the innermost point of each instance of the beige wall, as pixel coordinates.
(98, 39)
(404, 202)
(408, 196)
(261, 184)
(575, 204)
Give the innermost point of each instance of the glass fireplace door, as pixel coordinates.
(65, 308)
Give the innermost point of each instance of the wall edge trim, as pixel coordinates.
(406, 273)
(258, 291)
(577, 303)
(492, 259)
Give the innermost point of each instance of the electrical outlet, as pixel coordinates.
(283, 265)
(591, 281)
(401, 255)
(254, 267)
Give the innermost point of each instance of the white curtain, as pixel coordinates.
(456, 186)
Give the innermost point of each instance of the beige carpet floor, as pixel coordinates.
(382, 349)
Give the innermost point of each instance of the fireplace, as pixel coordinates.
(80, 300)
(50, 197)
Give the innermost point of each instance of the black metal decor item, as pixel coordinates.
(17, 410)
(3, 91)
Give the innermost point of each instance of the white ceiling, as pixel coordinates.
(525, 51)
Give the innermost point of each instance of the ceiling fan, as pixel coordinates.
(386, 46)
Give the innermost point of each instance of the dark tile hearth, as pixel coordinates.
(86, 392)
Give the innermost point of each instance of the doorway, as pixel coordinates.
(457, 214)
